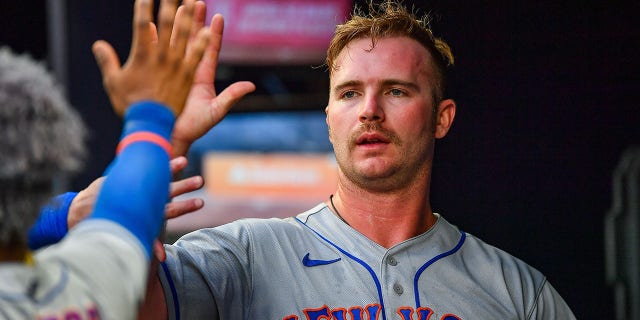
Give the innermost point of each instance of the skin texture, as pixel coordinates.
(383, 129)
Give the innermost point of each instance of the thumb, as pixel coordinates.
(232, 94)
(106, 57)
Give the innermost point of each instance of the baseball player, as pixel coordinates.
(375, 250)
(100, 269)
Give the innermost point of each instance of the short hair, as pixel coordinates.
(42, 137)
(392, 19)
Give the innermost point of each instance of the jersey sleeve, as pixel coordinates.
(207, 274)
(550, 305)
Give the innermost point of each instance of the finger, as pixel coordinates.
(106, 58)
(178, 208)
(228, 97)
(153, 33)
(215, 44)
(158, 251)
(179, 17)
(142, 16)
(199, 16)
(183, 186)
(174, 31)
(166, 16)
(197, 49)
(182, 27)
(109, 65)
(177, 164)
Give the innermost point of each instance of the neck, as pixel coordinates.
(13, 254)
(386, 219)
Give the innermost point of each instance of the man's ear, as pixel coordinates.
(446, 113)
(326, 119)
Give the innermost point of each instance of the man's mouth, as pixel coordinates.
(371, 139)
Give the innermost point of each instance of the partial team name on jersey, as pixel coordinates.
(88, 313)
(369, 312)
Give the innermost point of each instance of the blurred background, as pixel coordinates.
(548, 101)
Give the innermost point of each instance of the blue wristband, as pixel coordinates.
(51, 225)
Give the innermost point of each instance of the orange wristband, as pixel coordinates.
(147, 137)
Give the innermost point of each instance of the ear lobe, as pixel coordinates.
(446, 113)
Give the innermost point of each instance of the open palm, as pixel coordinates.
(204, 108)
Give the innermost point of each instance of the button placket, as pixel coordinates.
(398, 289)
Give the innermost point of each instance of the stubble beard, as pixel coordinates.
(387, 175)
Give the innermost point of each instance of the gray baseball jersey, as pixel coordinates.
(315, 266)
(77, 279)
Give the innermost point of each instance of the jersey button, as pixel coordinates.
(392, 261)
(398, 289)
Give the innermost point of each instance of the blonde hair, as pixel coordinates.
(392, 19)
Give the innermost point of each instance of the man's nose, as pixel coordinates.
(371, 109)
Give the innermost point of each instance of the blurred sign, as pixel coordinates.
(279, 176)
(258, 185)
(282, 31)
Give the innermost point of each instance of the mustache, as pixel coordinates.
(378, 129)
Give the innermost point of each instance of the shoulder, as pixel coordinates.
(482, 267)
(518, 280)
(483, 256)
(495, 267)
(251, 230)
(499, 265)
(16, 277)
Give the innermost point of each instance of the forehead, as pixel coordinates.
(392, 58)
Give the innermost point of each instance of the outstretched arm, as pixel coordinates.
(106, 255)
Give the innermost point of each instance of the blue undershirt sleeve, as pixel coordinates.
(136, 187)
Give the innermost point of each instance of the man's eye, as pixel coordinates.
(348, 94)
(396, 92)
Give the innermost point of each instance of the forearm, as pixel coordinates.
(136, 188)
(154, 306)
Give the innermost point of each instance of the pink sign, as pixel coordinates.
(285, 31)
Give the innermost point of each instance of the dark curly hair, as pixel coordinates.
(42, 137)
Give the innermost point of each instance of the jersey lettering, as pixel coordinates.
(369, 312)
(91, 313)
(407, 313)
(319, 313)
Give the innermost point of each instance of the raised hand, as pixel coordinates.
(204, 108)
(159, 67)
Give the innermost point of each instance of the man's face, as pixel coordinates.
(380, 112)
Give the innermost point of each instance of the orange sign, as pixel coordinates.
(273, 175)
